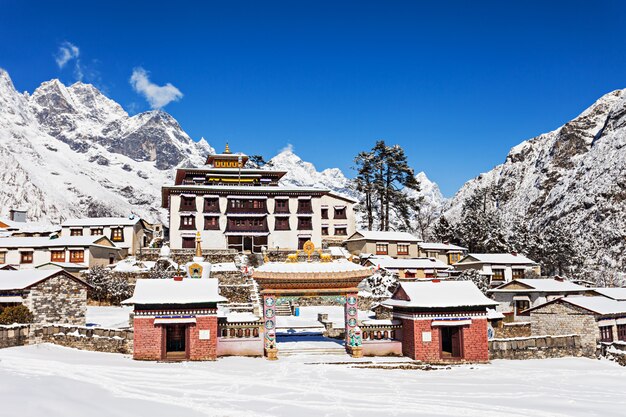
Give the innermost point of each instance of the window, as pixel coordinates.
(281, 206)
(57, 256)
(498, 275)
(189, 242)
(341, 231)
(77, 256)
(431, 254)
(454, 258)
(282, 223)
(403, 249)
(117, 234)
(211, 223)
(187, 203)
(305, 223)
(96, 232)
(621, 332)
(187, 223)
(211, 205)
(3, 257)
(324, 230)
(381, 249)
(26, 257)
(324, 213)
(518, 273)
(340, 213)
(76, 232)
(521, 305)
(606, 333)
(304, 206)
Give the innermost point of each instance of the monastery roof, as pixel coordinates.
(541, 285)
(597, 304)
(440, 294)
(614, 293)
(440, 246)
(25, 278)
(382, 236)
(410, 263)
(46, 242)
(497, 258)
(102, 221)
(170, 291)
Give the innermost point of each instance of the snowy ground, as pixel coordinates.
(108, 316)
(47, 380)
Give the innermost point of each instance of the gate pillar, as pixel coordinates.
(269, 326)
(353, 333)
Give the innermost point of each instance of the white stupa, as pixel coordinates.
(198, 268)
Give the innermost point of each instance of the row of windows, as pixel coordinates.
(383, 249)
(281, 223)
(606, 333)
(498, 274)
(117, 234)
(26, 257)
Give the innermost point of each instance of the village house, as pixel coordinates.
(68, 251)
(393, 244)
(175, 319)
(517, 296)
(128, 233)
(17, 226)
(442, 321)
(410, 269)
(614, 293)
(247, 209)
(445, 252)
(52, 296)
(500, 267)
(595, 318)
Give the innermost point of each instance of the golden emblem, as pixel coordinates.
(195, 270)
(308, 248)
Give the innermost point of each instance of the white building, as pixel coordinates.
(246, 209)
(128, 233)
(500, 267)
(411, 269)
(72, 251)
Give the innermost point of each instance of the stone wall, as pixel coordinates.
(565, 319)
(237, 293)
(182, 256)
(537, 347)
(14, 335)
(59, 299)
(509, 330)
(614, 351)
(87, 338)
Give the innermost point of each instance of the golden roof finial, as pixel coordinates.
(227, 150)
(198, 245)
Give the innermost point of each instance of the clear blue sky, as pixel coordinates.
(457, 84)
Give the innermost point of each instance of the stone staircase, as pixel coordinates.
(255, 297)
(283, 309)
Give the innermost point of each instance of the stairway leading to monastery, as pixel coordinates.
(283, 309)
(255, 296)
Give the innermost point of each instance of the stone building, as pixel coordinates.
(53, 296)
(128, 233)
(442, 321)
(517, 296)
(594, 318)
(410, 268)
(175, 319)
(393, 244)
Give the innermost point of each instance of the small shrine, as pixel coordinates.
(285, 281)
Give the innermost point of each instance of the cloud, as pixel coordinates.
(288, 148)
(67, 52)
(157, 96)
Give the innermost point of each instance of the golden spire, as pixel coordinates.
(227, 150)
(198, 245)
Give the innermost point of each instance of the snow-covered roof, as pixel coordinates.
(30, 227)
(224, 267)
(440, 294)
(497, 258)
(244, 188)
(45, 242)
(492, 314)
(440, 246)
(598, 304)
(24, 278)
(338, 251)
(541, 285)
(101, 221)
(170, 291)
(62, 265)
(614, 293)
(382, 236)
(310, 267)
(411, 263)
(240, 317)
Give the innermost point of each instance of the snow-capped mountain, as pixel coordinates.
(574, 176)
(71, 151)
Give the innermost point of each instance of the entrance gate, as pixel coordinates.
(283, 281)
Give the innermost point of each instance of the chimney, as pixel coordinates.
(446, 242)
(178, 278)
(558, 278)
(435, 281)
(514, 253)
(17, 215)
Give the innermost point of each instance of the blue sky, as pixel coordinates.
(457, 84)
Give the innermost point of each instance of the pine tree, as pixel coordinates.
(443, 230)
(364, 184)
(480, 228)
